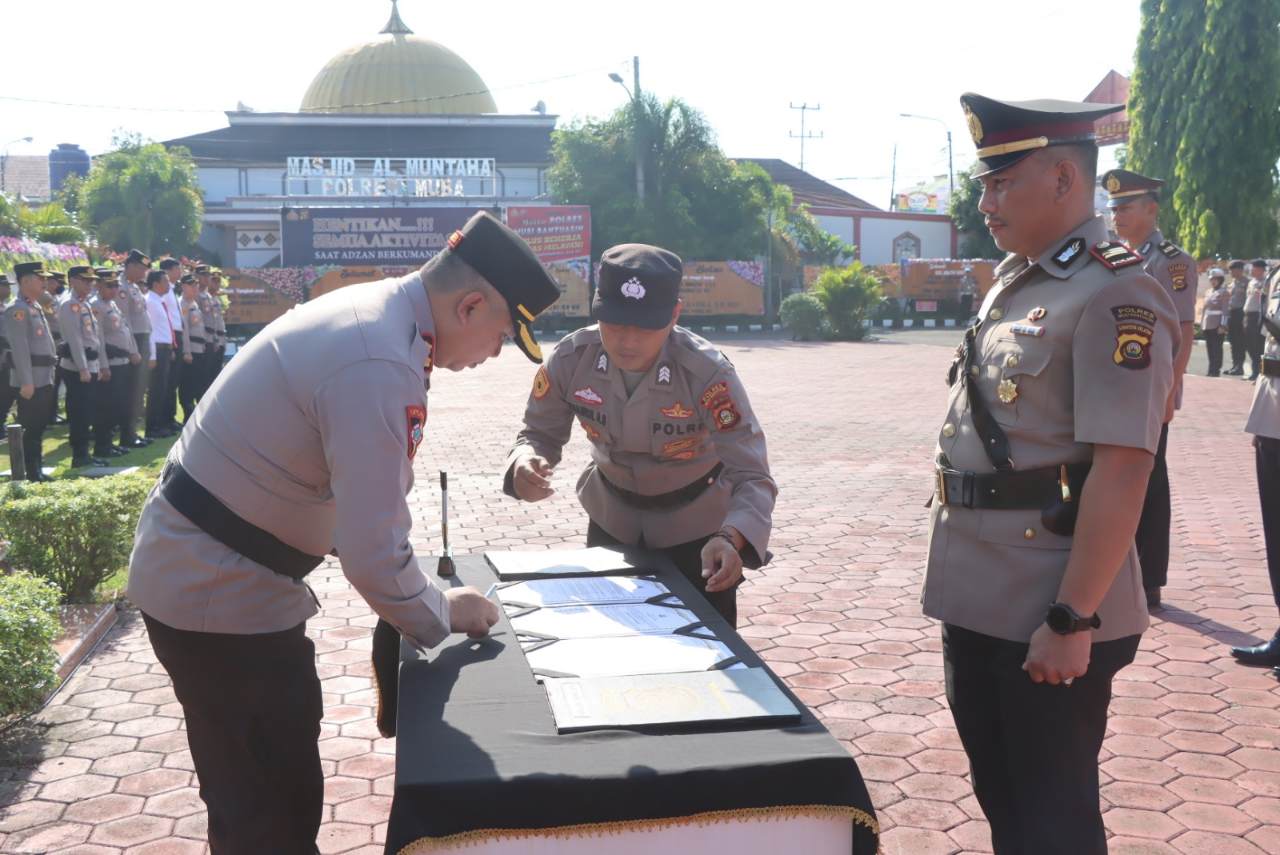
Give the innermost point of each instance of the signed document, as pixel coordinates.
(584, 590)
(558, 562)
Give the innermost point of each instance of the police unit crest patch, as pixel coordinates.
(416, 421)
(1135, 327)
(714, 393)
(541, 383)
(726, 415)
(1178, 276)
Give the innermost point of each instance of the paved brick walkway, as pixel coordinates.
(1191, 764)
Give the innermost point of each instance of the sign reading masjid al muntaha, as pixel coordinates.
(390, 176)
(366, 236)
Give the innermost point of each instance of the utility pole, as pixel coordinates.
(802, 136)
(638, 107)
(893, 180)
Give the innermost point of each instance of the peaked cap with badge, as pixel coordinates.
(82, 271)
(508, 264)
(1122, 185)
(30, 268)
(1007, 131)
(639, 285)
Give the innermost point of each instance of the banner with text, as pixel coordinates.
(253, 298)
(560, 235)
(723, 288)
(367, 236)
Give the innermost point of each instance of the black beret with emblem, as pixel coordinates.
(503, 258)
(1122, 185)
(82, 271)
(30, 268)
(137, 256)
(638, 286)
(1007, 131)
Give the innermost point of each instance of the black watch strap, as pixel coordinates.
(1065, 620)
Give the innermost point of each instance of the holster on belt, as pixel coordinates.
(1055, 491)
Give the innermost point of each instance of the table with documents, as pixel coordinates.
(611, 710)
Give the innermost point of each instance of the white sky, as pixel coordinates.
(740, 63)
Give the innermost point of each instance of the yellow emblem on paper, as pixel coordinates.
(1113, 184)
(975, 125)
(1007, 391)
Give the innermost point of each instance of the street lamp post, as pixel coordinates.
(951, 175)
(4, 162)
(635, 116)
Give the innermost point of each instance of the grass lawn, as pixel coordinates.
(57, 454)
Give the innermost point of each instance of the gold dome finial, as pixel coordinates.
(396, 26)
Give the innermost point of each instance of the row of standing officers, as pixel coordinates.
(124, 344)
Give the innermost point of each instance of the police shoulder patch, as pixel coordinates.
(1170, 249)
(75, 307)
(416, 421)
(19, 315)
(541, 383)
(1114, 255)
(1135, 327)
(1178, 276)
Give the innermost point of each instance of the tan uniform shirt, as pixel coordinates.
(195, 337)
(1214, 314)
(31, 347)
(117, 339)
(79, 335)
(1099, 371)
(1264, 415)
(1173, 268)
(310, 435)
(688, 413)
(136, 300)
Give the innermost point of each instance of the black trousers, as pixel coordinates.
(1235, 335)
(1253, 341)
(1033, 748)
(209, 369)
(34, 414)
(158, 389)
(122, 395)
(111, 401)
(1267, 458)
(8, 394)
(176, 368)
(1213, 346)
(688, 558)
(81, 398)
(138, 381)
(1152, 536)
(252, 705)
(190, 382)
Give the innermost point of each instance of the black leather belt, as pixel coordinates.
(1271, 366)
(195, 339)
(64, 351)
(114, 352)
(1013, 490)
(665, 501)
(42, 360)
(222, 524)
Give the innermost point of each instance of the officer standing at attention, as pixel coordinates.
(31, 349)
(1134, 201)
(1235, 317)
(1254, 341)
(205, 302)
(7, 393)
(1213, 319)
(55, 290)
(172, 268)
(1057, 399)
(678, 459)
(79, 366)
(194, 340)
(132, 298)
(219, 326)
(120, 354)
(1264, 424)
(307, 447)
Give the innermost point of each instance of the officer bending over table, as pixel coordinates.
(678, 459)
(304, 446)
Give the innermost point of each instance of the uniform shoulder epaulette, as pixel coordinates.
(696, 354)
(578, 339)
(1170, 249)
(1114, 255)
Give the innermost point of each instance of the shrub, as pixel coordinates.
(28, 627)
(802, 314)
(74, 533)
(848, 296)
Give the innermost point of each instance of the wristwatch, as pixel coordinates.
(1064, 620)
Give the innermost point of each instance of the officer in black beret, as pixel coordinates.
(678, 457)
(1056, 402)
(259, 489)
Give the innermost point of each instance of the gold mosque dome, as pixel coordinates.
(398, 73)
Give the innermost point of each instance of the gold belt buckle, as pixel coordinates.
(941, 487)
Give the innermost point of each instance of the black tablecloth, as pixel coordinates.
(478, 749)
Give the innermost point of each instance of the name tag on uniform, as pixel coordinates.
(1027, 329)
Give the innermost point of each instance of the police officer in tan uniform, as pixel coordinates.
(1213, 318)
(307, 447)
(120, 356)
(79, 364)
(1056, 404)
(1134, 200)
(33, 359)
(132, 298)
(195, 339)
(204, 274)
(1264, 424)
(678, 458)
(7, 393)
(219, 325)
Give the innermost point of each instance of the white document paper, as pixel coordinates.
(601, 621)
(583, 590)
(623, 655)
(562, 562)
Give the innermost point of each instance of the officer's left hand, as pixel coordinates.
(721, 565)
(104, 375)
(134, 359)
(186, 358)
(1054, 658)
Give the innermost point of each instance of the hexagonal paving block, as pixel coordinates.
(131, 831)
(102, 809)
(175, 804)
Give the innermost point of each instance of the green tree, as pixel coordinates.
(848, 295)
(50, 223)
(9, 224)
(145, 196)
(697, 202)
(975, 239)
(1205, 112)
